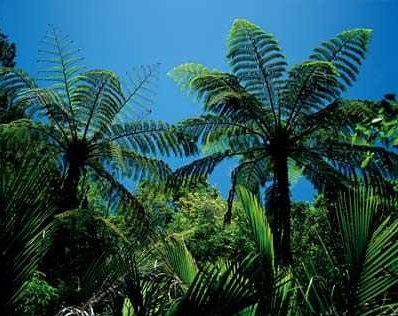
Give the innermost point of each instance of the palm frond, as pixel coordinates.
(371, 252)
(179, 261)
(216, 291)
(25, 211)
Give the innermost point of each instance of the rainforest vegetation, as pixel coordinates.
(93, 221)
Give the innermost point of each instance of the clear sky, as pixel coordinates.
(121, 34)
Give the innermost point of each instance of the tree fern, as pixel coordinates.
(87, 116)
(274, 120)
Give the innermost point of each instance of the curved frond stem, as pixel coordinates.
(92, 109)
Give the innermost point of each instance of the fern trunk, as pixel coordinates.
(283, 210)
(69, 199)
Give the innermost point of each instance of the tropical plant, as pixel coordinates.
(359, 282)
(86, 118)
(26, 180)
(276, 123)
(382, 126)
(8, 113)
(253, 285)
(7, 51)
(173, 283)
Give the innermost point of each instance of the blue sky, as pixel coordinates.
(122, 34)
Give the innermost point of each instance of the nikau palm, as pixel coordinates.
(86, 118)
(274, 120)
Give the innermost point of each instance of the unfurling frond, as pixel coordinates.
(256, 60)
(346, 52)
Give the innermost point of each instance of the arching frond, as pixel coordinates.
(13, 80)
(319, 171)
(198, 169)
(127, 198)
(150, 137)
(307, 88)
(211, 127)
(221, 93)
(337, 117)
(370, 163)
(256, 60)
(139, 93)
(134, 166)
(346, 52)
(61, 62)
(98, 97)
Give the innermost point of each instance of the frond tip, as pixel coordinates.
(346, 52)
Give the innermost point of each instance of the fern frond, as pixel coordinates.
(256, 60)
(198, 169)
(308, 87)
(134, 166)
(346, 52)
(98, 98)
(150, 137)
(221, 94)
(61, 63)
(139, 93)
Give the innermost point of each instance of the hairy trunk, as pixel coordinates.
(69, 199)
(283, 210)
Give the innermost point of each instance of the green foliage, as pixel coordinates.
(7, 51)
(196, 215)
(25, 213)
(272, 121)
(364, 275)
(40, 298)
(87, 116)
